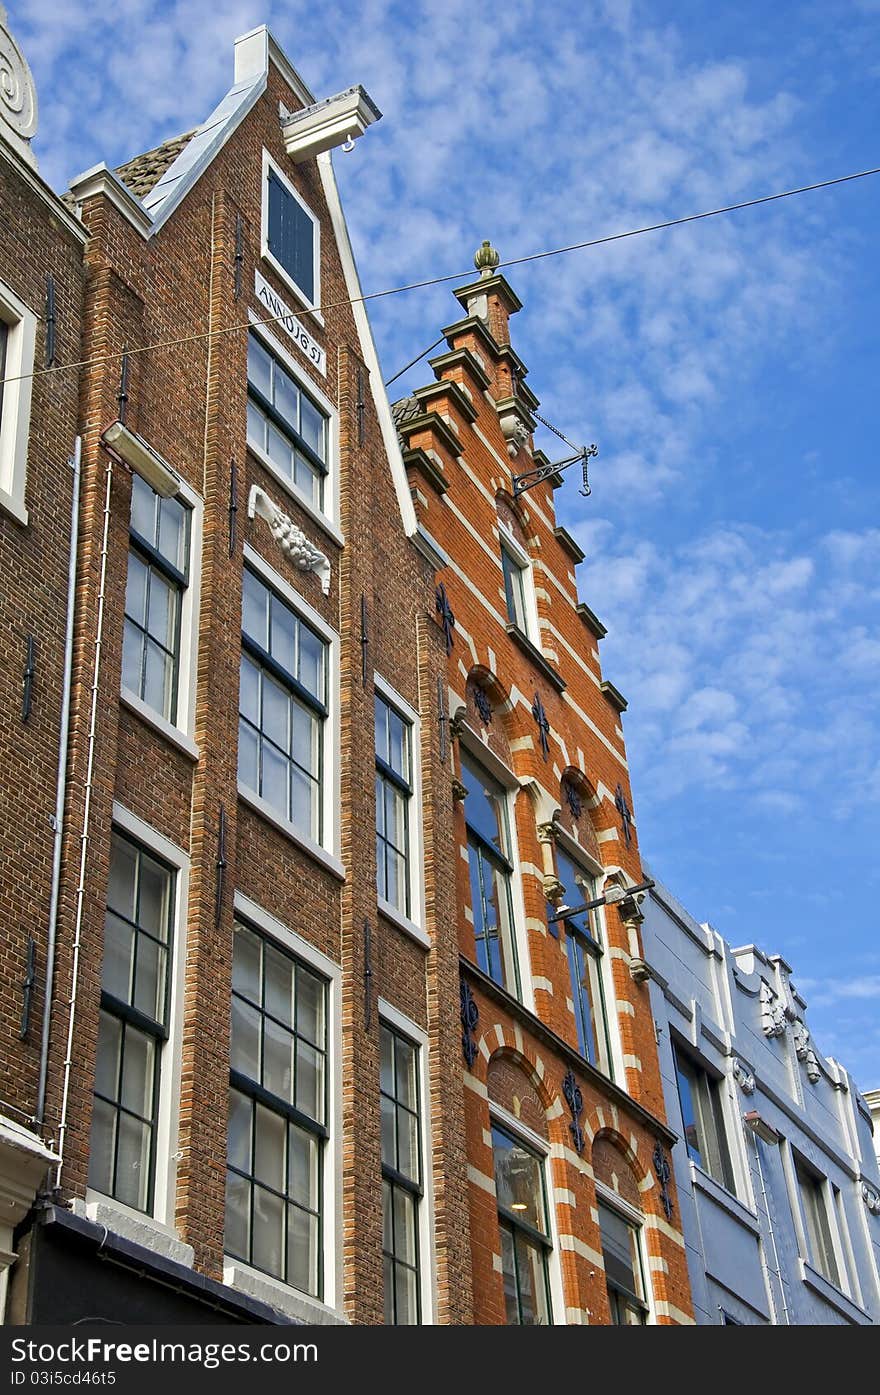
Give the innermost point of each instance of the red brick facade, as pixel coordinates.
(463, 448)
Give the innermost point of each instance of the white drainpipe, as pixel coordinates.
(58, 820)
(84, 836)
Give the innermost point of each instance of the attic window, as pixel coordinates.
(291, 235)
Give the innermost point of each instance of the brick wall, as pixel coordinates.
(38, 241)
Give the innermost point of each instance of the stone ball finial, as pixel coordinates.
(486, 258)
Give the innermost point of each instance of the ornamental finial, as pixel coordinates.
(18, 97)
(486, 258)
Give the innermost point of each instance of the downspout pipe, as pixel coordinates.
(86, 819)
(61, 786)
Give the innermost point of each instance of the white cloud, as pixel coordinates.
(732, 649)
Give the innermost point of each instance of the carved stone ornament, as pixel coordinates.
(459, 790)
(547, 832)
(553, 889)
(773, 1022)
(871, 1198)
(743, 1077)
(516, 434)
(803, 1047)
(291, 539)
(18, 96)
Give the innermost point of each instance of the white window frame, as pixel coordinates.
(510, 1124)
(481, 755)
(507, 541)
(181, 732)
(331, 1178)
(414, 924)
(394, 1018)
(162, 1215)
(573, 850)
(269, 164)
(327, 852)
(328, 517)
(717, 1083)
(636, 1219)
(20, 349)
(791, 1157)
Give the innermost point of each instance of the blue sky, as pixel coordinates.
(728, 371)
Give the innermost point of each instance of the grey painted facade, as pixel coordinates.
(777, 1177)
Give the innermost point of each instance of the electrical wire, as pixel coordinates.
(450, 276)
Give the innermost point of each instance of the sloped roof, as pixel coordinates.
(141, 173)
(404, 408)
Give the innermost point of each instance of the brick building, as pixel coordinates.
(40, 311)
(778, 1183)
(572, 1212)
(325, 1045)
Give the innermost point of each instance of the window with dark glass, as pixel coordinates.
(133, 1023)
(393, 795)
(158, 574)
(401, 1176)
(583, 945)
(621, 1252)
(277, 1112)
(282, 707)
(815, 1206)
(703, 1118)
(491, 872)
(284, 422)
(292, 236)
(514, 589)
(525, 1230)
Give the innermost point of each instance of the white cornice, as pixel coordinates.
(102, 180)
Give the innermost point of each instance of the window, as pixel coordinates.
(584, 949)
(703, 1118)
(133, 1023)
(525, 1232)
(291, 234)
(286, 425)
(820, 1245)
(621, 1254)
(491, 870)
(282, 708)
(18, 331)
(158, 573)
(393, 794)
(514, 589)
(277, 1112)
(401, 1176)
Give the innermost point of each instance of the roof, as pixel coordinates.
(141, 173)
(405, 408)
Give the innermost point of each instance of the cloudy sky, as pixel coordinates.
(728, 371)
